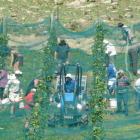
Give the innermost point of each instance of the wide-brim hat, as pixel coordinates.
(106, 41)
(18, 72)
(121, 71)
(69, 76)
(33, 90)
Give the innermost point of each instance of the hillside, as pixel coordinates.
(73, 13)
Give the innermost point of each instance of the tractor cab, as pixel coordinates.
(70, 97)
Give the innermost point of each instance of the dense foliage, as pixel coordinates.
(4, 50)
(39, 115)
(98, 84)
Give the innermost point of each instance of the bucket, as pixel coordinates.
(113, 103)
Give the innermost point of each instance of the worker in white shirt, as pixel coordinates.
(110, 51)
(13, 91)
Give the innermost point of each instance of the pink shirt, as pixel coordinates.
(3, 78)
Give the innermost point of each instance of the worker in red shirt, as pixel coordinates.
(29, 99)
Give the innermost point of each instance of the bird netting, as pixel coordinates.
(59, 113)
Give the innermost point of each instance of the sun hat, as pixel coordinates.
(18, 72)
(69, 75)
(106, 41)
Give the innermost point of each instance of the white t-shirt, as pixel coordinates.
(13, 86)
(110, 49)
(137, 85)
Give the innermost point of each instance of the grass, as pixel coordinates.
(120, 127)
(117, 127)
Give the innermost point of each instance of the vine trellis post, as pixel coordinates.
(97, 103)
(39, 116)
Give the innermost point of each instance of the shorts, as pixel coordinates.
(13, 97)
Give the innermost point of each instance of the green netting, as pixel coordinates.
(33, 53)
(42, 28)
(12, 25)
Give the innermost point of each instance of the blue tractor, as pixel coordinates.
(69, 106)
